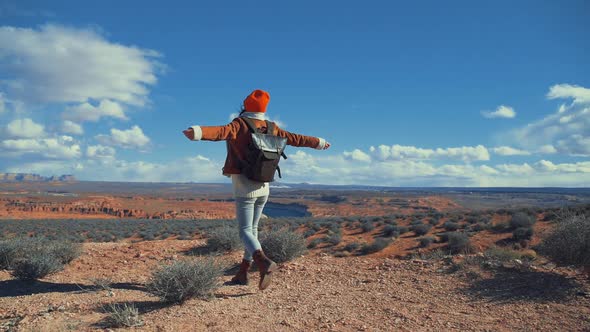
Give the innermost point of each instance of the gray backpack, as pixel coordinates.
(264, 153)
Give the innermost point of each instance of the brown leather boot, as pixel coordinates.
(266, 268)
(241, 278)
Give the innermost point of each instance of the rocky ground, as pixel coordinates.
(314, 292)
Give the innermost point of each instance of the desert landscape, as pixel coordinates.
(354, 259)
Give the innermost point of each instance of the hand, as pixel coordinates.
(326, 146)
(189, 133)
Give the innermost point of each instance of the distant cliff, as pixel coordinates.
(26, 177)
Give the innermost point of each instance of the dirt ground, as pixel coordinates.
(314, 292)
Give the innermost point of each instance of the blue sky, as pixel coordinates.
(409, 94)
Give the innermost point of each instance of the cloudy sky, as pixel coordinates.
(409, 94)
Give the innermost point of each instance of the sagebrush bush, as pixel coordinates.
(334, 239)
(350, 247)
(458, 242)
(185, 279)
(309, 233)
(451, 226)
(123, 315)
(36, 257)
(224, 238)
(522, 233)
(390, 231)
(521, 219)
(8, 253)
(377, 245)
(65, 251)
(367, 226)
(426, 241)
(421, 229)
(402, 229)
(502, 254)
(282, 245)
(36, 266)
(478, 227)
(434, 221)
(501, 227)
(315, 242)
(569, 243)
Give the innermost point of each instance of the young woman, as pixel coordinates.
(250, 196)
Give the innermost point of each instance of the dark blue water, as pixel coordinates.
(277, 210)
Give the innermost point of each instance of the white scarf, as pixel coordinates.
(254, 115)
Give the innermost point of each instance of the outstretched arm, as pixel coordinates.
(302, 140)
(212, 133)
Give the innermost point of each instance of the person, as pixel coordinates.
(250, 196)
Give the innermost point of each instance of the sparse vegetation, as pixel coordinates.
(521, 220)
(123, 315)
(350, 247)
(501, 227)
(434, 221)
(334, 239)
(225, 238)
(502, 254)
(522, 233)
(35, 258)
(36, 265)
(421, 229)
(367, 226)
(426, 241)
(390, 231)
(458, 242)
(102, 284)
(451, 226)
(402, 229)
(184, 279)
(377, 245)
(569, 243)
(282, 245)
(314, 243)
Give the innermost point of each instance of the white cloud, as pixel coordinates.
(522, 169)
(400, 152)
(579, 94)
(357, 155)
(62, 147)
(547, 149)
(576, 145)
(501, 112)
(24, 128)
(69, 127)
(303, 167)
(56, 64)
(488, 170)
(191, 169)
(88, 112)
(509, 151)
(100, 152)
(132, 138)
(566, 131)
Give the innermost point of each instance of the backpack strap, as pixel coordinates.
(270, 128)
(250, 125)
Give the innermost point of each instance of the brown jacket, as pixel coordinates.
(237, 135)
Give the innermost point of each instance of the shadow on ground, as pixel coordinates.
(14, 287)
(510, 285)
(202, 251)
(143, 307)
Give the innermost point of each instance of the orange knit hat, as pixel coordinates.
(257, 101)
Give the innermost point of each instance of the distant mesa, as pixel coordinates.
(27, 177)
